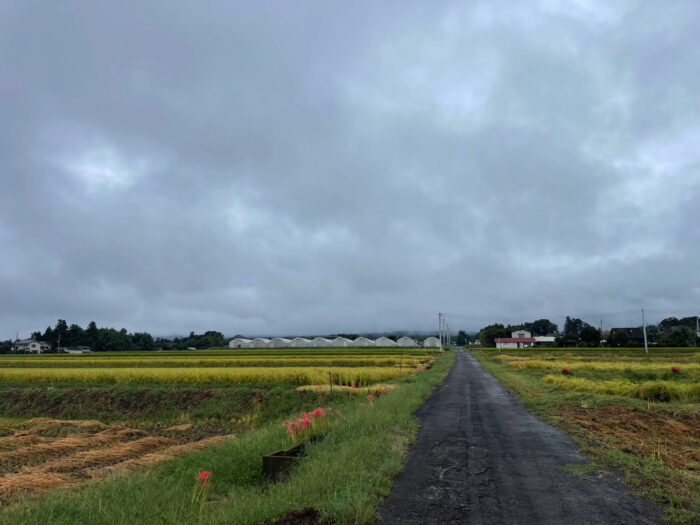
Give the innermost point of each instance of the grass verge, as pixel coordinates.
(344, 475)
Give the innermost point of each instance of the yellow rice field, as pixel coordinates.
(197, 375)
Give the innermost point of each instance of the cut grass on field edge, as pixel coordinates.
(676, 491)
(344, 475)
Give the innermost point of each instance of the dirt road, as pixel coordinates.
(482, 458)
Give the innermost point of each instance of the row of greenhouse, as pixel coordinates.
(335, 342)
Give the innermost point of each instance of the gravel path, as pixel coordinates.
(482, 458)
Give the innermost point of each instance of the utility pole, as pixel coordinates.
(644, 327)
(601, 332)
(440, 329)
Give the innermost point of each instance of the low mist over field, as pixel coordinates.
(322, 167)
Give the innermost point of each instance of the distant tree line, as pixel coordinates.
(198, 341)
(669, 332)
(112, 340)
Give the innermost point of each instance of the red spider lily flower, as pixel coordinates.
(328, 393)
(286, 423)
(337, 411)
(370, 397)
(102, 399)
(676, 369)
(565, 370)
(302, 415)
(203, 475)
(205, 484)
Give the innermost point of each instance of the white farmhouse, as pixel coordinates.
(32, 346)
(518, 339)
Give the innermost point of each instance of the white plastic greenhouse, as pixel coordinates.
(385, 341)
(363, 341)
(239, 342)
(259, 342)
(406, 341)
(431, 342)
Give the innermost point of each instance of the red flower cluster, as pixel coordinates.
(102, 399)
(203, 475)
(676, 369)
(304, 421)
(258, 400)
(565, 370)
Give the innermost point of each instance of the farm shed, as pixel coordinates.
(406, 341)
(363, 341)
(280, 342)
(341, 341)
(431, 342)
(259, 342)
(300, 342)
(385, 341)
(239, 342)
(321, 342)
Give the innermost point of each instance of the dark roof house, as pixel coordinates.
(633, 334)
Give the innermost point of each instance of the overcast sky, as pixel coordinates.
(320, 167)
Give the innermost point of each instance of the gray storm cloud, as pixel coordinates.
(323, 167)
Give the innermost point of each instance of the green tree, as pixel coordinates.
(619, 338)
(541, 327)
(573, 327)
(462, 338)
(679, 336)
(488, 334)
(590, 336)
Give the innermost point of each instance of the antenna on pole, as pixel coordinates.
(644, 327)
